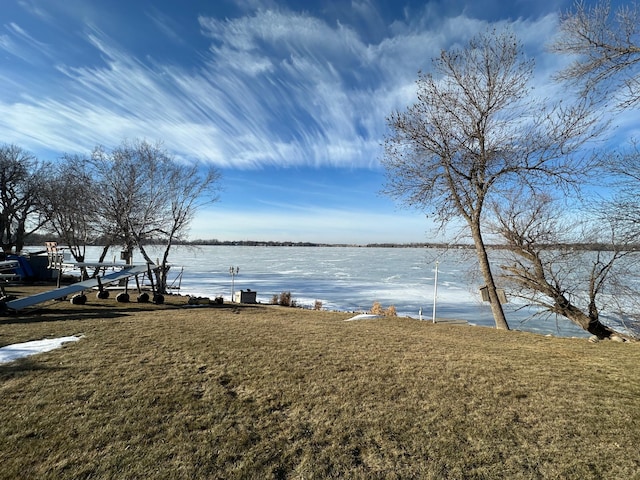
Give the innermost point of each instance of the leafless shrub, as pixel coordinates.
(377, 309)
(284, 299)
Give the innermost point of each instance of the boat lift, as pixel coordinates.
(7, 273)
(56, 261)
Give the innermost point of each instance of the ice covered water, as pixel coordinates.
(351, 279)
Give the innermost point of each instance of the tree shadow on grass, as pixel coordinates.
(58, 315)
(43, 314)
(23, 366)
(105, 311)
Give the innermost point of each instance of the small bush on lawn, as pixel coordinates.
(284, 299)
(378, 309)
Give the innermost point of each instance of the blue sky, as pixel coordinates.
(287, 99)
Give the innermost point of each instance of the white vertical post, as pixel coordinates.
(233, 273)
(435, 294)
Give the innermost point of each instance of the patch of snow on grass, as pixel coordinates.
(13, 352)
(364, 316)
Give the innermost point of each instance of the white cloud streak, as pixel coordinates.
(275, 87)
(22, 45)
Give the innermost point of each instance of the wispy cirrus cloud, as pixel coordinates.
(166, 24)
(33, 8)
(22, 45)
(275, 87)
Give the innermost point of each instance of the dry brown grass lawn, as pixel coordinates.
(274, 392)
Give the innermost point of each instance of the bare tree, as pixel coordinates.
(21, 179)
(474, 133)
(606, 46)
(149, 198)
(188, 189)
(70, 199)
(623, 205)
(566, 265)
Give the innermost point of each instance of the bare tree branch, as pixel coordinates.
(606, 47)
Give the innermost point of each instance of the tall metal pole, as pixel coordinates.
(233, 271)
(435, 294)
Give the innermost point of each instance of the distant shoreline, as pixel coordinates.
(441, 245)
(258, 243)
(37, 241)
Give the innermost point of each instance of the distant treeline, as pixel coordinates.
(38, 239)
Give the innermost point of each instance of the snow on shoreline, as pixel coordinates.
(13, 352)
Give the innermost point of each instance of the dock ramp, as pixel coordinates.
(32, 300)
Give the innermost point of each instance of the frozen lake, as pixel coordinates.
(351, 279)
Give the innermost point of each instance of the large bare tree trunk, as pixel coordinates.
(485, 267)
(591, 322)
